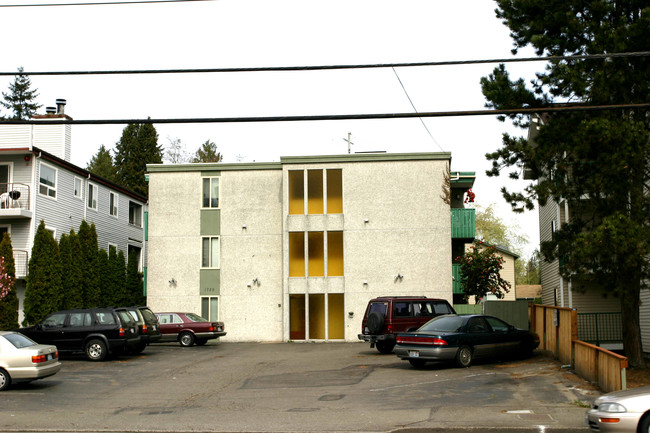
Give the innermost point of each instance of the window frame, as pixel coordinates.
(78, 194)
(209, 306)
(113, 204)
(94, 205)
(136, 205)
(210, 257)
(48, 187)
(210, 189)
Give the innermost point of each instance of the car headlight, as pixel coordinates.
(611, 408)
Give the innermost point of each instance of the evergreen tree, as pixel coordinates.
(101, 164)
(21, 99)
(137, 147)
(88, 264)
(8, 295)
(602, 155)
(117, 266)
(72, 273)
(104, 280)
(134, 285)
(43, 294)
(207, 153)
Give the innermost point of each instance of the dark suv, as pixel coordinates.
(388, 315)
(94, 331)
(148, 327)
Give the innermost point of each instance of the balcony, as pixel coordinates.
(463, 223)
(15, 199)
(456, 284)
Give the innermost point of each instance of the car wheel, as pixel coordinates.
(96, 350)
(186, 339)
(644, 425)
(200, 341)
(375, 322)
(5, 380)
(417, 363)
(384, 347)
(464, 356)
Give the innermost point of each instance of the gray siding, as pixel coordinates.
(549, 271)
(644, 316)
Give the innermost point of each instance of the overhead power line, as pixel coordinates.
(525, 111)
(103, 3)
(330, 67)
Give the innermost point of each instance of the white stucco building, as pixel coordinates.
(293, 250)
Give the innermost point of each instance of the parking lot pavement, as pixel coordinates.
(291, 387)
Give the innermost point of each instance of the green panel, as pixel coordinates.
(463, 223)
(144, 281)
(210, 222)
(146, 225)
(210, 282)
(457, 286)
(468, 308)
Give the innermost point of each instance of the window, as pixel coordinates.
(314, 192)
(135, 214)
(296, 192)
(77, 187)
(324, 187)
(92, 196)
(210, 308)
(113, 246)
(47, 181)
(210, 252)
(80, 319)
(335, 254)
(334, 191)
(315, 256)
(296, 254)
(210, 192)
(113, 199)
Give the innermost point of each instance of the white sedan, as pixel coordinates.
(621, 411)
(24, 360)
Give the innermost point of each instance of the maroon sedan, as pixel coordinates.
(188, 328)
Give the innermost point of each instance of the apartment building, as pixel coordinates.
(293, 250)
(39, 183)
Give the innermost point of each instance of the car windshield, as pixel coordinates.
(148, 315)
(19, 340)
(444, 324)
(195, 317)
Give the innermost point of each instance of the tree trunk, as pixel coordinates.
(631, 325)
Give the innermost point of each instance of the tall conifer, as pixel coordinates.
(8, 302)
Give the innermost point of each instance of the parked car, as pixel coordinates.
(188, 328)
(148, 327)
(96, 332)
(387, 316)
(24, 360)
(621, 411)
(463, 339)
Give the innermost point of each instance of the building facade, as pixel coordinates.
(293, 251)
(39, 183)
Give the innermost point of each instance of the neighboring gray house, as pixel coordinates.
(38, 182)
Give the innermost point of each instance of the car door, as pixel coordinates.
(505, 340)
(481, 337)
(403, 316)
(170, 325)
(78, 325)
(50, 330)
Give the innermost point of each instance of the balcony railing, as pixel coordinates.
(14, 196)
(456, 284)
(463, 223)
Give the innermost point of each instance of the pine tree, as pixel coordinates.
(105, 293)
(600, 155)
(137, 147)
(207, 153)
(117, 266)
(88, 264)
(8, 301)
(101, 164)
(134, 280)
(44, 289)
(21, 99)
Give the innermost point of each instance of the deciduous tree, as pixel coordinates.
(480, 272)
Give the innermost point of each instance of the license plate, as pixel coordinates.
(50, 356)
(153, 327)
(414, 354)
(365, 330)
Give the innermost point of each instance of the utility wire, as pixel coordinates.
(330, 67)
(99, 3)
(507, 112)
(416, 110)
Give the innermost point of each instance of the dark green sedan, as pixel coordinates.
(463, 339)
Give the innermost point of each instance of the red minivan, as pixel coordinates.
(386, 316)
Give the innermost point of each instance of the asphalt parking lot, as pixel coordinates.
(291, 387)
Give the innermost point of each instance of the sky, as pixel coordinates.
(263, 33)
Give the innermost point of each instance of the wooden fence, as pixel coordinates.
(557, 328)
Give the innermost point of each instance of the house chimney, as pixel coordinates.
(50, 110)
(60, 106)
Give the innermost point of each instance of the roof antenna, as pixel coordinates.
(350, 143)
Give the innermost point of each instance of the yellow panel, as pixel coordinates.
(296, 254)
(296, 192)
(334, 254)
(334, 191)
(317, 317)
(335, 316)
(314, 191)
(316, 254)
(296, 317)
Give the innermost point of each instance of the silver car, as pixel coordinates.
(24, 360)
(621, 411)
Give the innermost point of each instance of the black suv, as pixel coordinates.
(388, 315)
(148, 327)
(94, 331)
